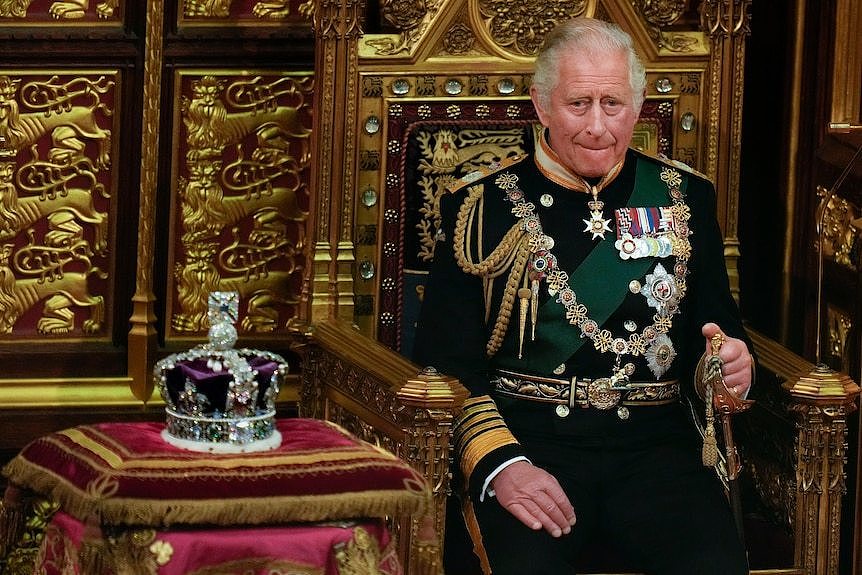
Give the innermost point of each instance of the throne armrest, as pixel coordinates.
(387, 400)
(794, 445)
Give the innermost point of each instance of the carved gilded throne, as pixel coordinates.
(442, 87)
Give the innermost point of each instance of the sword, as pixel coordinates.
(720, 399)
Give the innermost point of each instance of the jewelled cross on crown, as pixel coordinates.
(222, 312)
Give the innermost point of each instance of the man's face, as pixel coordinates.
(590, 113)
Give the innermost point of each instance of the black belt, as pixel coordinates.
(583, 392)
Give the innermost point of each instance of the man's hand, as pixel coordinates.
(535, 497)
(736, 370)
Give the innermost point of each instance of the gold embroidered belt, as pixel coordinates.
(582, 392)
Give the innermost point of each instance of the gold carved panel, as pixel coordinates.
(58, 188)
(66, 13)
(233, 13)
(240, 194)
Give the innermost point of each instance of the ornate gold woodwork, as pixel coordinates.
(726, 22)
(847, 64)
(241, 195)
(61, 12)
(838, 326)
(328, 286)
(841, 231)
(233, 13)
(142, 332)
(57, 194)
(823, 399)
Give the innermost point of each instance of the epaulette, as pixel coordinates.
(674, 163)
(483, 172)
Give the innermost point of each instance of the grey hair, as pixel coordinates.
(595, 38)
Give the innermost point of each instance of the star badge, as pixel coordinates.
(597, 225)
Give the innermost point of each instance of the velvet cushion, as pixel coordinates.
(125, 473)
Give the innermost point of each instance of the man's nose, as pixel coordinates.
(596, 121)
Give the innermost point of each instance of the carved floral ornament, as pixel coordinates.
(517, 29)
(522, 26)
(661, 12)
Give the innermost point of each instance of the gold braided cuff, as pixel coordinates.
(479, 431)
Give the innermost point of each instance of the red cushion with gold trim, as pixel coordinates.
(125, 473)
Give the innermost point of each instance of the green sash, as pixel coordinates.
(557, 340)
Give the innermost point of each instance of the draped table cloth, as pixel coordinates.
(120, 485)
(350, 548)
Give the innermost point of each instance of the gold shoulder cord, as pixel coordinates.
(511, 254)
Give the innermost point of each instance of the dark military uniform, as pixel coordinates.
(584, 373)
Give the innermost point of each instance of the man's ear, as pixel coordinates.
(537, 104)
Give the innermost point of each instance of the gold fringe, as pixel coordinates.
(709, 454)
(415, 498)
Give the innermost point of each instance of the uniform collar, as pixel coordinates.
(552, 167)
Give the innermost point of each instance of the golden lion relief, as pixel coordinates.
(264, 9)
(22, 130)
(244, 163)
(60, 9)
(63, 290)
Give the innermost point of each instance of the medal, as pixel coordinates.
(627, 246)
(660, 289)
(660, 355)
(597, 225)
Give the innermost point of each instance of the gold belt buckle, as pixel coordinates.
(600, 395)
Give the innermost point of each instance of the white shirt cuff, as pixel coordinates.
(486, 486)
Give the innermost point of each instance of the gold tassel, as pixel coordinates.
(709, 453)
(534, 308)
(524, 295)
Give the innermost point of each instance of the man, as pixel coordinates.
(573, 292)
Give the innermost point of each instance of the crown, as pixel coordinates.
(218, 398)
